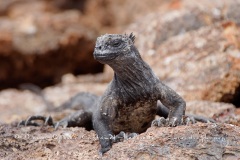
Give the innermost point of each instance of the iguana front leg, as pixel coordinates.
(103, 118)
(173, 102)
(124, 136)
(163, 111)
(104, 133)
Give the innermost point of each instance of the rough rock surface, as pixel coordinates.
(198, 141)
(228, 115)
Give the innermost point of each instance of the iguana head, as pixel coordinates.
(111, 47)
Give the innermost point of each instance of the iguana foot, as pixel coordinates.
(124, 136)
(104, 150)
(63, 123)
(160, 122)
(47, 121)
(173, 122)
(31, 121)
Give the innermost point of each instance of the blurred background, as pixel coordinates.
(192, 46)
(41, 40)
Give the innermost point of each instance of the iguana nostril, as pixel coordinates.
(100, 47)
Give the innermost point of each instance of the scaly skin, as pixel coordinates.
(130, 102)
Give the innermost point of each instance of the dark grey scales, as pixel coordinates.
(130, 102)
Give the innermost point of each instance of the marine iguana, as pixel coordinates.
(129, 103)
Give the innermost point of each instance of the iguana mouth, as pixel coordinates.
(109, 56)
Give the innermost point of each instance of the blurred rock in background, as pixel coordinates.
(41, 40)
(193, 47)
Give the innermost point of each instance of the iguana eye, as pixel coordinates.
(116, 43)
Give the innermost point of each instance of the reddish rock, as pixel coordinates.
(157, 27)
(228, 115)
(207, 108)
(200, 65)
(39, 47)
(14, 105)
(111, 17)
(41, 40)
(26, 103)
(202, 141)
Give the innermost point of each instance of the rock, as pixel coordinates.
(26, 103)
(5, 5)
(156, 27)
(97, 13)
(191, 64)
(14, 105)
(207, 108)
(38, 36)
(47, 143)
(70, 4)
(228, 115)
(202, 141)
(39, 47)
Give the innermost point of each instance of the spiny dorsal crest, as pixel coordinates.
(132, 37)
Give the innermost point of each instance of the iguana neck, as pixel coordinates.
(133, 72)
